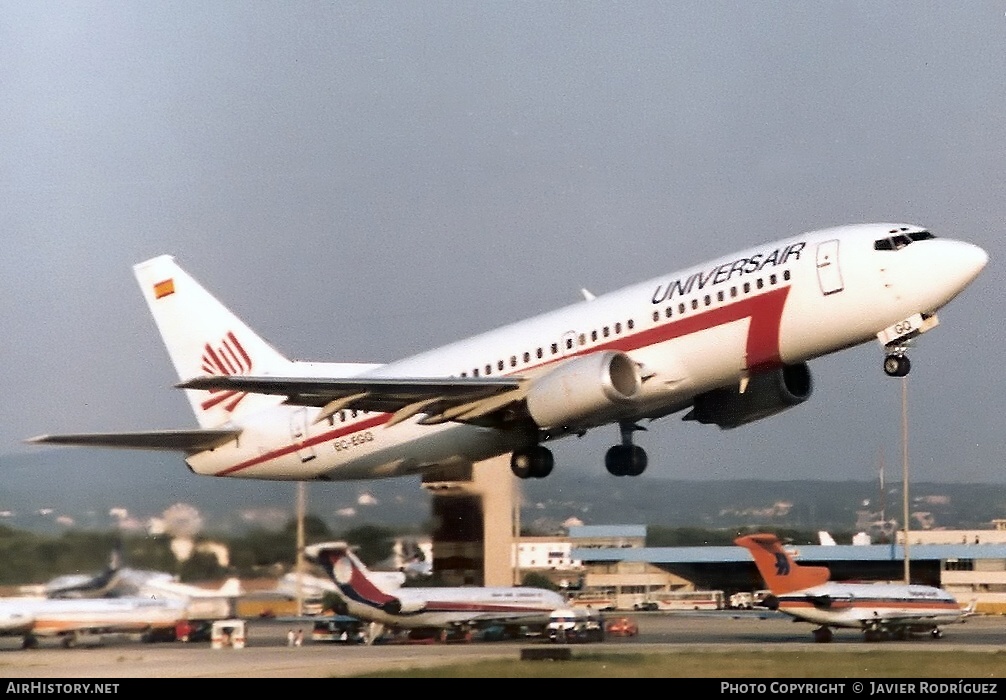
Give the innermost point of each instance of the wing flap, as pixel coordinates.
(167, 440)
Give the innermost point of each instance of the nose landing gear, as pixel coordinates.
(897, 365)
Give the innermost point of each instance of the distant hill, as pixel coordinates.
(83, 486)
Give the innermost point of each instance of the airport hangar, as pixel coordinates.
(731, 568)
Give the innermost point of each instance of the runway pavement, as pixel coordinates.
(267, 656)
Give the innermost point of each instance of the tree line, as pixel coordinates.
(33, 558)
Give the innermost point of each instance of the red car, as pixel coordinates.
(622, 627)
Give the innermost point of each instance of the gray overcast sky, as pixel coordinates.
(361, 181)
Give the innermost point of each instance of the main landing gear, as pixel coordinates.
(534, 462)
(822, 635)
(626, 459)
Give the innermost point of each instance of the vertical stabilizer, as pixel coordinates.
(203, 337)
(781, 573)
(351, 576)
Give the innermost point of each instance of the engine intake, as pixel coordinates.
(767, 393)
(582, 391)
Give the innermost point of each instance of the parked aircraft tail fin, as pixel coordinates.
(353, 581)
(203, 337)
(781, 573)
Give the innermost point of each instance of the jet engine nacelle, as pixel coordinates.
(767, 393)
(397, 606)
(580, 391)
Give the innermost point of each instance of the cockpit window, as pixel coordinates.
(900, 240)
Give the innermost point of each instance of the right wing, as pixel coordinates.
(442, 399)
(189, 441)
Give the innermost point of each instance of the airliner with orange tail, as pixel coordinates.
(439, 608)
(880, 610)
(722, 343)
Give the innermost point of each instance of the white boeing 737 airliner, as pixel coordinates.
(726, 342)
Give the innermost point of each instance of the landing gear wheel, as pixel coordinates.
(520, 464)
(533, 463)
(625, 460)
(897, 365)
(937, 633)
(822, 635)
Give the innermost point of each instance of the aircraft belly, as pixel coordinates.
(366, 449)
(409, 447)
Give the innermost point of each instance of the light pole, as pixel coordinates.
(904, 470)
(300, 548)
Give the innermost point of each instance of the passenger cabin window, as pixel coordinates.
(555, 348)
(527, 357)
(618, 328)
(569, 343)
(631, 324)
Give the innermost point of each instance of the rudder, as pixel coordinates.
(781, 573)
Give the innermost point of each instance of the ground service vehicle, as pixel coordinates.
(575, 625)
(621, 627)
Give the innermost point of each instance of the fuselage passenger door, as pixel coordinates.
(829, 274)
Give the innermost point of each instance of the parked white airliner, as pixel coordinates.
(431, 608)
(726, 342)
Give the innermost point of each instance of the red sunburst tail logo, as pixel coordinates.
(227, 358)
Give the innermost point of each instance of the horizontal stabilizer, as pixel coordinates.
(168, 440)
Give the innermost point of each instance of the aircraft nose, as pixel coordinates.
(964, 261)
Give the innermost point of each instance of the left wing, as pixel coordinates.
(479, 400)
